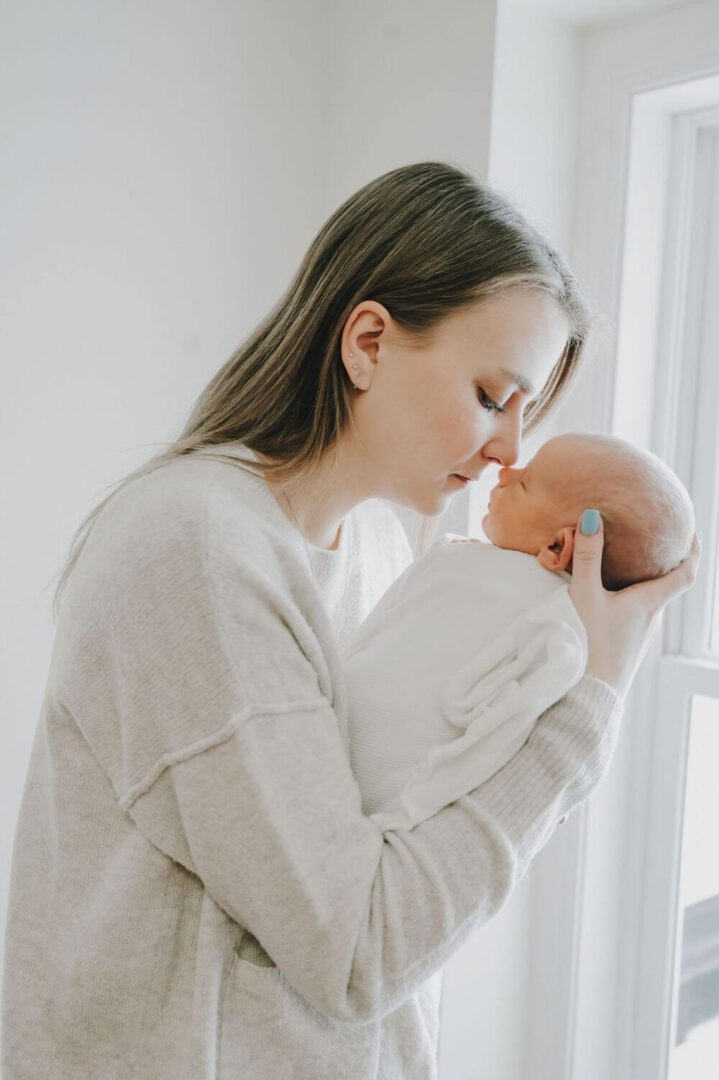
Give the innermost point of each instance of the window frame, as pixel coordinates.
(686, 667)
(645, 84)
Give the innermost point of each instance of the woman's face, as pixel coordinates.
(424, 414)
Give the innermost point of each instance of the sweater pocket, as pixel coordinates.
(270, 1031)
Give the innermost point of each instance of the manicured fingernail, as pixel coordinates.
(590, 522)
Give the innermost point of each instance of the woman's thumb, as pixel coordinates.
(587, 553)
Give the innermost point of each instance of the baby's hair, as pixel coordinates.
(647, 513)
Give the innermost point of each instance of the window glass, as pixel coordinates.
(714, 646)
(695, 1052)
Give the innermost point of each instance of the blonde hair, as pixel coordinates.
(424, 240)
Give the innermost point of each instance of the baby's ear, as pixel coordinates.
(558, 556)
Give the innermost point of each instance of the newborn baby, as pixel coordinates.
(474, 641)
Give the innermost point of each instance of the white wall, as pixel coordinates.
(165, 168)
(163, 172)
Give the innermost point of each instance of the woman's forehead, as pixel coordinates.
(509, 313)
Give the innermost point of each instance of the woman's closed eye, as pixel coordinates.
(487, 403)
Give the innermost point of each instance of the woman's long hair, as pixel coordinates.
(423, 240)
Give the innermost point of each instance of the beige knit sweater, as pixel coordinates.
(195, 891)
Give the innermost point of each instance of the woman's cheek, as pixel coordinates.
(457, 440)
(468, 433)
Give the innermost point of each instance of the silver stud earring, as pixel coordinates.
(355, 366)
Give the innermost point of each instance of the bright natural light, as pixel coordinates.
(696, 1053)
(715, 626)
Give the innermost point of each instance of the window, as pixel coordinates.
(676, 1003)
(696, 982)
(639, 980)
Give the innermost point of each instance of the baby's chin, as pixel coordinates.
(495, 537)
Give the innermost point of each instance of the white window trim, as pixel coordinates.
(682, 339)
(686, 666)
(584, 1026)
(648, 1038)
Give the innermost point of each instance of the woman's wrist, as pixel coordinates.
(606, 679)
(595, 671)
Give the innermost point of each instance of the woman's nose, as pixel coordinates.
(511, 442)
(507, 446)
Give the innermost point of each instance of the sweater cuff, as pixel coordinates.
(596, 693)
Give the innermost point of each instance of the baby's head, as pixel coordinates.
(646, 511)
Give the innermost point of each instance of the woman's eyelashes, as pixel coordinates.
(487, 403)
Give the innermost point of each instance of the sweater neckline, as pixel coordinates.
(326, 559)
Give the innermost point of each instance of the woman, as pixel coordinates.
(195, 890)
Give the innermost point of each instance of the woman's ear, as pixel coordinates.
(558, 556)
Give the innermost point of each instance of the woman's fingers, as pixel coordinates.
(587, 556)
(620, 625)
(658, 593)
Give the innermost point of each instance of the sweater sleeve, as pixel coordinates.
(207, 704)
(356, 920)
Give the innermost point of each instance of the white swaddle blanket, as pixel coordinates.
(450, 671)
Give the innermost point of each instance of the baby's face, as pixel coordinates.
(530, 506)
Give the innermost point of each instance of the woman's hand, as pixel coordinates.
(620, 625)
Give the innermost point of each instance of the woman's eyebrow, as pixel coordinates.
(524, 385)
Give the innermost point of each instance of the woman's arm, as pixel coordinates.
(201, 688)
(356, 920)
(267, 813)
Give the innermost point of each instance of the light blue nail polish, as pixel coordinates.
(590, 522)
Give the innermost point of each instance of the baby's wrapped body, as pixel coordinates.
(450, 671)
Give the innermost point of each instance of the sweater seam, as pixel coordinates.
(165, 761)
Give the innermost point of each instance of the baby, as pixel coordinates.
(474, 641)
(646, 511)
